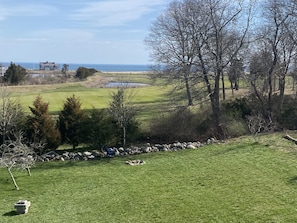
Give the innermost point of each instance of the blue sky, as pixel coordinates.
(77, 31)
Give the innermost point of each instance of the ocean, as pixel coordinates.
(99, 67)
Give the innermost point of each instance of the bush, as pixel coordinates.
(82, 72)
(181, 125)
(235, 128)
(98, 129)
(15, 74)
(288, 117)
(238, 108)
(132, 133)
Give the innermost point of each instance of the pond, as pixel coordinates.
(124, 84)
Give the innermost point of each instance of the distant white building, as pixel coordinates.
(3, 70)
(49, 66)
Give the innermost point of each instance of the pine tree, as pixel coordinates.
(15, 74)
(41, 128)
(71, 118)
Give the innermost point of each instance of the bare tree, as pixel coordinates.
(260, 78)
(11, 116)
(224, 42)
(277, 38)
(173, 44)
(199, 39)
(65, 69)
(122, 110)
(235, 71)
(16, 155)
(259, 124)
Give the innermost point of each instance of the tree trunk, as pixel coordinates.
(223, 87)
(189, 95)
(124, 136)
(282, 83)
(12, 177)
(270, 77)
(74, 144)
(28, 171)
(215, 104)
(214, 98)
(288, 137)
(260, 99)
(237, 83)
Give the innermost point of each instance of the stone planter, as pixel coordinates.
(22, 206)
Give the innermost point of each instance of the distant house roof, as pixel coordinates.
(49, 66)
(3, 69)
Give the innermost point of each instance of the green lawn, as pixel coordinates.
(151, 100)
(89, 97)
(241, 181)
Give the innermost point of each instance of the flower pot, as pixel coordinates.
(22, 206)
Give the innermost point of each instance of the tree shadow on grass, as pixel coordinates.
(65, 164)
(229, 149)
(10, 214)
(79, 163)
(293, 180)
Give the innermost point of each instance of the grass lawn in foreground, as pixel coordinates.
(240, 181)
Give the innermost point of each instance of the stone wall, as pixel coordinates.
(133, 150)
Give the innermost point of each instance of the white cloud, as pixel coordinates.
(115, 12)
(90, 31)
(30, 39)
(64, 35)
(26, 10)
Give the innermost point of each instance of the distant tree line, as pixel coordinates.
(17, 75)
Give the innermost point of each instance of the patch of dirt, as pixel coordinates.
(135, 162)
(50, 72)
(97, 81)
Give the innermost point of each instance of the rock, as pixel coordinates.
(135, 162)
(132, 150)
(155, 149)
(146, 149)
(91, 157)
(87, 153)
(190, 146)
(116, 152)
(96, 153)
(210, 141)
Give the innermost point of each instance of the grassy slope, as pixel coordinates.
(152, 100)
(56, 94)
(149, 99)
(240, 181)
